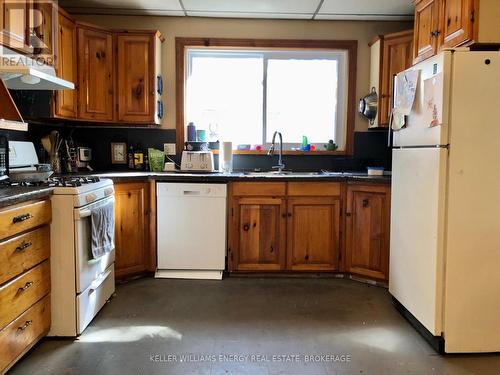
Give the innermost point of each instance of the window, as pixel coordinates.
(244, 93)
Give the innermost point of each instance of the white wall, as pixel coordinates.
(172, 27)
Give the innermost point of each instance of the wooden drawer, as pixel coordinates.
(19, 294)
(259, 188)
(21, 253)
(20, 335)
(314, 189)
(17, 219)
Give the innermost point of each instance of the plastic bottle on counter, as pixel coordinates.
(191, 132)
(130, 156)
(146, 163)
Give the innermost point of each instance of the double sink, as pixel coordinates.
(299, 174)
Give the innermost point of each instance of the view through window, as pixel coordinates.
(244, 95)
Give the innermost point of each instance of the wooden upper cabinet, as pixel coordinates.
(313, 233)
(95, 74)
(66, 67)
(43, 17)
(425, 39)
(393, 54)
(257, 234)
(457, 22)
(131, 228)
(367, 230)
(14, 24)
(136, 77)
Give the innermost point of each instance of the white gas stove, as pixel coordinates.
(80, 284)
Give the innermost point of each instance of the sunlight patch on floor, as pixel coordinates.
(130, 334)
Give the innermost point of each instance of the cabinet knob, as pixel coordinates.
(366, 202)
(25, 325)
(21, 218)
(23, 246)
(306, 257)
(348, 214)
(246, 227)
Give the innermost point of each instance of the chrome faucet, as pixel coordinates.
(280, 165)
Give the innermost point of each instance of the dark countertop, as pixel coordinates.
(11, 195)
(242, 176)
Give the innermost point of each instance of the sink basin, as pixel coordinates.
(281, 174)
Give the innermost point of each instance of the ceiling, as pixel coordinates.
(286, 9)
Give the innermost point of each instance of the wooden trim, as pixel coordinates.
(351, 46)
(315, 189)
(375, 39)
(152, 226)
(285, 152)
(268, 189)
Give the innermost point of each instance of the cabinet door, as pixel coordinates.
(95, 72)
(136, 67)
(66, 100)
(396, 57)
(457, 22)
(42, 22)
(257, 234)
(14, 24)
(425, 40)
(313, 233)
(131, 228)
(367, 230)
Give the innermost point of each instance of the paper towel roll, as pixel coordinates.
(226, 157)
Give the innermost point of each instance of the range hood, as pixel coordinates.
(24, 73)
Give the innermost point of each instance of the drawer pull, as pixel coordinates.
(21, 218)
(23, 246)
(25, 325)
(25, 287)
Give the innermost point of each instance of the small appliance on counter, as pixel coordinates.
(197, 161)
(4, 158)
(23, 164)
(84, 157)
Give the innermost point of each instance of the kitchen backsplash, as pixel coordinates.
(370, 148)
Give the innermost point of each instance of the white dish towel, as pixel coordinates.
(103, 230)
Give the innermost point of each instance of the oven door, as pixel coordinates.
(88, 269)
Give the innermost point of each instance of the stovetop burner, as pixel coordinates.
(64, 181)
(73, 181)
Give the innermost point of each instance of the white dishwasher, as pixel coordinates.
(191, 230)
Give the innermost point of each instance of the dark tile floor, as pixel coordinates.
(209, 327)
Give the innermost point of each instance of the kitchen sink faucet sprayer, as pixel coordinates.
(280, 165)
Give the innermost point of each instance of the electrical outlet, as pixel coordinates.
(169, 148)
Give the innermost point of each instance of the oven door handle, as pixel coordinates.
(98, 282)
(82, 213)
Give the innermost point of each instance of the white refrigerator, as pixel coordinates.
(445, 210)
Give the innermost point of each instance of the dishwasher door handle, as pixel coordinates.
(191, 192)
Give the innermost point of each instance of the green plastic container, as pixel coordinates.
(156, 160)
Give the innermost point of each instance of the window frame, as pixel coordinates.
(349, 46)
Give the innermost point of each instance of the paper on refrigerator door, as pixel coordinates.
(406, 87)
(433, 100)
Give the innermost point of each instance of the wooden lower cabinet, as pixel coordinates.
(258, 226)
(134, 228)
(24, 278)
(367, 230)
(313, 233)
(278, 226)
